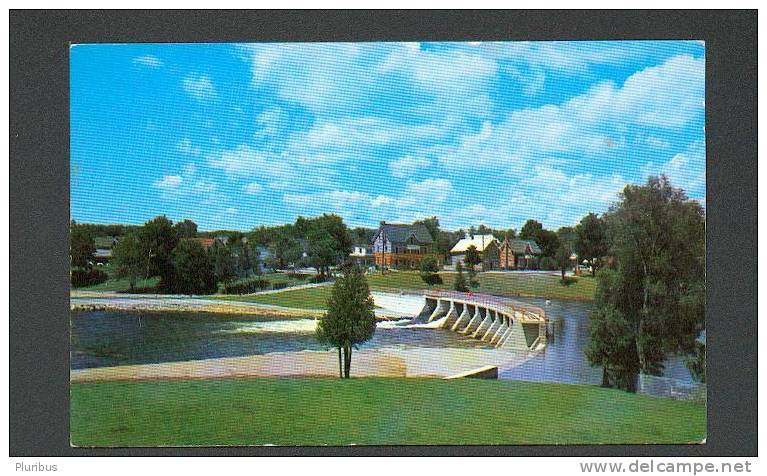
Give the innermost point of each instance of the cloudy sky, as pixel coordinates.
(235, 136)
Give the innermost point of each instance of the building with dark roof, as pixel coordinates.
(403, 246)
(518, 254)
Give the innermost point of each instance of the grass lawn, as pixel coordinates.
(304, 298)
(502, 284)
(122, 285)
(545, 286)
(372, 411)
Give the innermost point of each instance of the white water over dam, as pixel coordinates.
(501, 322)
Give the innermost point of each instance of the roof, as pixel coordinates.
(205, 242)
(521, 246)
(105, 242)
(399, 233)
(480, 242)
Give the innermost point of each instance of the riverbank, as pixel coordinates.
(373, 412)
(385, 362)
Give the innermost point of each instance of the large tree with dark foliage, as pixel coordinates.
(547, 240)
(81, 247)
(158, 239)
(350, 319)
(591, 243)
(130, 260)
(650, 300)
(186, 229)
(193, 269)
(567, 238)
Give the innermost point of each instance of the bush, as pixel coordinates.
(317, 278)
(280, 285)
(298, 276)
(548, 263)
(87, 277)
(245, 286)
(568, 280)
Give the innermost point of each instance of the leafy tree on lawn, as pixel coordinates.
(81, 247)
(546, 239)
(567, 238)
(591, 243)
(531, 230)
(472, 257)
(158, 239)
(651, 300)
(286, 250)
(460, 280)
(223, 260)
(186, 229)
(430, 271)
(472, 280)
(350, 319)
(129, 259)
(193, 269)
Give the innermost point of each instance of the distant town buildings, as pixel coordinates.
(403, 246)
(518, 254)
(486, 246)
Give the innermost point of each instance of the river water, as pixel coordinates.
(110, 338)
(107, 338)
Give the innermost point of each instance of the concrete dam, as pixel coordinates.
(501, 322)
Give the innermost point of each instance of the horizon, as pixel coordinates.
(491, 133)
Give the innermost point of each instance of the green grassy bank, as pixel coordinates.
(512, 285)
(372, 411)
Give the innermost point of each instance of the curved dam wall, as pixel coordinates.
(502, 323)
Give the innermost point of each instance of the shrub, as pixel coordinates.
(548, 263)
(280, 285)
(87, 277)
(318, 278)
(568, 280)
(245, 286)
(298, 276)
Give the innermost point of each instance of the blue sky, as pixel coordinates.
(234, 136)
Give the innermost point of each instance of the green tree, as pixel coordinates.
(651, 300)
(158, 239)
(531, 230)
(81, 247)
(186, 229)
(350, 319)
(460, 280)
(223, 261)
(591, 243)
(567, 239)
(193, 269)
(129, 259)
(472, 257)
(429, 270)
(285, 250)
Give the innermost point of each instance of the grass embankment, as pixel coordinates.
(304, 298)
(506, 284)
(373, 411)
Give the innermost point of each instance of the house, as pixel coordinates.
(518, 254)
(205, 242)
(486, 245)
(104, 246)
(403, 246)
(362, 254)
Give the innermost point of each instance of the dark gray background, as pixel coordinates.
(39, 194)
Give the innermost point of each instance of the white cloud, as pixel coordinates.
(686, 170)
(169, 182)
(150, 61)
(667, 96)
(408, 165)
(253, 188)
(199, 86)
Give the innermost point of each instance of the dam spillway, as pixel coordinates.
(501, 322)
